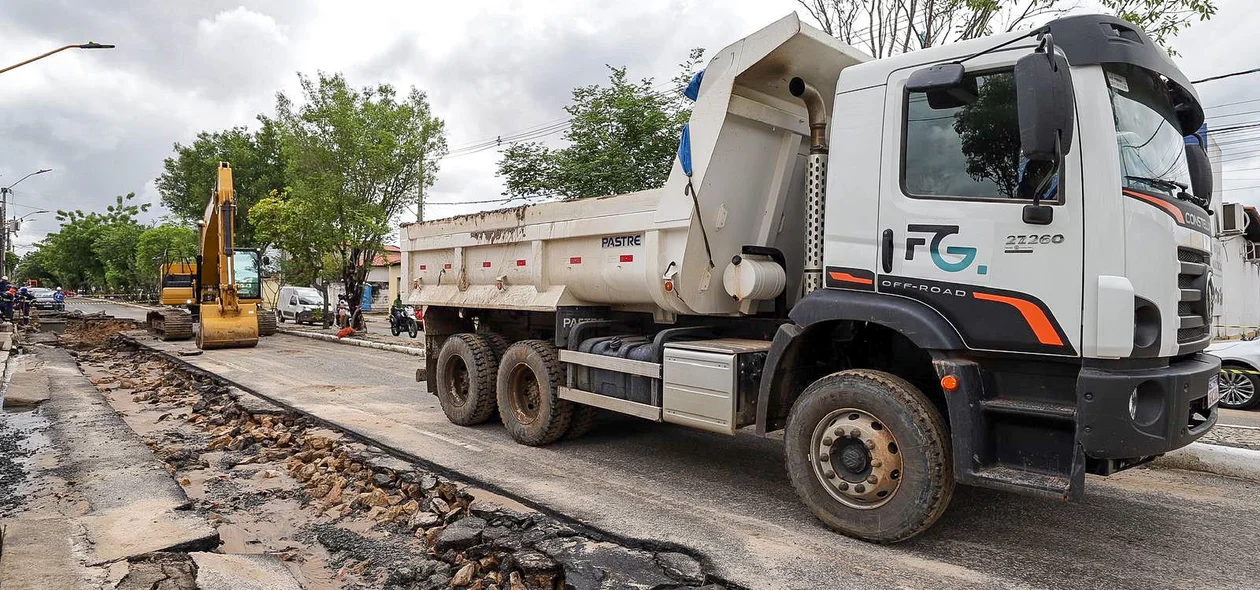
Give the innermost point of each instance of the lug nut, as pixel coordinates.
(829, 473)
(876, 463)
(844, 487)
(870, 444)
(824, 457)
(828, 441)
(839, 432)
(855, 433)
(859, 488)
(872, 480)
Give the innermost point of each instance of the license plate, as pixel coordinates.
(1214, 391)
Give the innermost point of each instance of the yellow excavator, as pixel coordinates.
(225, 291)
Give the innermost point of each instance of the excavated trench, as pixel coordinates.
(344, 514)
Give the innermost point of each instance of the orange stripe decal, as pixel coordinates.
(1165, 205)
(848, 278)
(1036, 318)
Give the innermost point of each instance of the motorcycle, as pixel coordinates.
(404, 319)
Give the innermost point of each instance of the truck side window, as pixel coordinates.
(966, 147)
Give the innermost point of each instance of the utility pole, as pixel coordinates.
(4, 212)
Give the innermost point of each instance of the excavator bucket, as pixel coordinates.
(227, 329)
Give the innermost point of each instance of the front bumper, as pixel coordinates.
(1170, 409)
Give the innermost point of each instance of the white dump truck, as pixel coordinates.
(986, 263)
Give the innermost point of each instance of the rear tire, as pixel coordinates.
(466, 379)
(583, 421)
(529, 393)
(1239, 390)
(869, 454)
(393, 326)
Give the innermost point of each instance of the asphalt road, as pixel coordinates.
(728, 498)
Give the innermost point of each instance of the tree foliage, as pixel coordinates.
(988, 129)
(355, 159)
(622, 138)
(159, 244)
(92, 249)
(189, 176)
(888, 27)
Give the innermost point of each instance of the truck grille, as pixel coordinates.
(1192, 309)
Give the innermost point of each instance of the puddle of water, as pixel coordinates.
(22, 435)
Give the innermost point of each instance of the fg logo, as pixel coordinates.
(967, 254)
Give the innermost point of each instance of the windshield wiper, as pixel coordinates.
(1161, 183)
(1177, 189)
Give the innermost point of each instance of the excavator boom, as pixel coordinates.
(225, 321)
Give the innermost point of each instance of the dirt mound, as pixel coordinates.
(86, 331)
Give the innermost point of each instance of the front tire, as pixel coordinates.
(1240, 387)
(869, 454)
(466, 379)
(529, 393)
(279, 317)
(413, 328)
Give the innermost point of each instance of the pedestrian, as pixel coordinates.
(343, 311)
(59, 298)
(24, 299)
(7, 297)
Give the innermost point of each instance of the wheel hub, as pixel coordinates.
(856, 458)
(1236, 388)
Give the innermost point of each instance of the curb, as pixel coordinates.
(411, 350)
(1216, 459)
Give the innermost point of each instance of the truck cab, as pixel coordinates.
(986, 263)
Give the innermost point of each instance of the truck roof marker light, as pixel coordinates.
(949, 383)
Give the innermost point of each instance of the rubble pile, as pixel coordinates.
(423, 531)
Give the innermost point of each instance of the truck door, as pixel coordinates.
(951, 229)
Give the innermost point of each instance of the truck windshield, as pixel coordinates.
(248, 284)
(1152, 149)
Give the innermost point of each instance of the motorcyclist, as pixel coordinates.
(397, 312)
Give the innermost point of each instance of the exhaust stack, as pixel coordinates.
(816, 181)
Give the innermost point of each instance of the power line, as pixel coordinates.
(1223, 76)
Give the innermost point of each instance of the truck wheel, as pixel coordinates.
(498, 343)
(1240, 387)
(869, 455)
(465, 379)
(583, 421)
(279, 317)
(529, 393)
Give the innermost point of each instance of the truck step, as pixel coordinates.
(1033, 409)
(1057, 487)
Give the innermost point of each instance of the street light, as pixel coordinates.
(88, 45)
(4, 211)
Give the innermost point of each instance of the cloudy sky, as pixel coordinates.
(104, 120)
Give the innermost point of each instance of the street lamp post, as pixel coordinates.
(4, 215)
(88, 45)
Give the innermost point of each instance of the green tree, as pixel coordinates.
(33, 266)
(305, 233)
(622, 138)
(72, 253)
(355, 160)
(257, 169)
(888, 27)
(115, 247)
(157, 244)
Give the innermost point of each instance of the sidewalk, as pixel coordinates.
(376, 336)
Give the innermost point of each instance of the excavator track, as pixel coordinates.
(171, 324)
(266, 322)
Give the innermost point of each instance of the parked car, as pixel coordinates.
(300, 304)
(1240, 372)
(44, 299)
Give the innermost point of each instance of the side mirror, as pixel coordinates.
(944, 84)
(1200, 174)
(1043, 88)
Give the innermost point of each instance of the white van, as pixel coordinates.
(300, 304)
